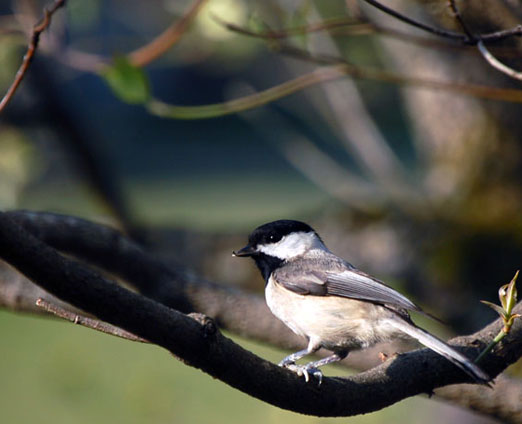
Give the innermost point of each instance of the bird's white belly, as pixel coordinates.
(333, 321)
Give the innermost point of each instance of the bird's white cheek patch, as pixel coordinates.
(291, 245)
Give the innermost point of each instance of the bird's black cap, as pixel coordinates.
(274, 231)
(266, 234)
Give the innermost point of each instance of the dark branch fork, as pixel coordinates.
(468, 37)
(196, 340)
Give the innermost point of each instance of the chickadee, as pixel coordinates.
(330, 302)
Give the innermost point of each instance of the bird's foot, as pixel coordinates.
(304, 370)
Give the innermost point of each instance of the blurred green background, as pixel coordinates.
(420, 188)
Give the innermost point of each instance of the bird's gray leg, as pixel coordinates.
(313, 367)
(338, 356)
(291, 359)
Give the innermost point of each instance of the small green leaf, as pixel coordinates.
(128, 82)
(496, 308)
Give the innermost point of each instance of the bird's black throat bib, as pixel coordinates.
(267, 264)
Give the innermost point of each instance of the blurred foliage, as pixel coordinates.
(84, 15)
(18, 164)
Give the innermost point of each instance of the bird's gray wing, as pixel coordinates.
(356, 284)
(345, 281)
(301, 279)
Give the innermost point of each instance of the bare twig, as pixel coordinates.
(84, 321)
(434, 30)
(502, 34)
(486, 54)
(466, 38)
(460, 19)
(163, 42)
(90, 62)
(321, 75)
(499, 66)
(261, 98)
(330, 24)
(31, 50)
(348, 27)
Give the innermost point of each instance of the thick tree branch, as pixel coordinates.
(199, 344)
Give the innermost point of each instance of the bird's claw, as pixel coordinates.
(304, 370)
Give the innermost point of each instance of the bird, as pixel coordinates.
(330, 302)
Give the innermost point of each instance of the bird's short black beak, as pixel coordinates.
(245, 251)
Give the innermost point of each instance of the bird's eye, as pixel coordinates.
(273, 238)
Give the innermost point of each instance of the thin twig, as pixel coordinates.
(163, 42)
(347, 27)
(327, 25)
(475, 90)
(486, 54)
(456, 12)
(31, 50)
(322, 75)
(91, 62)
(493, 61)
(502, 34)
(417, 24)
(465, 38)
(88, 322)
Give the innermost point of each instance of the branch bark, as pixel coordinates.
(199, 344)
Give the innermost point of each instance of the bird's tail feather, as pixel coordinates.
(442, 349)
